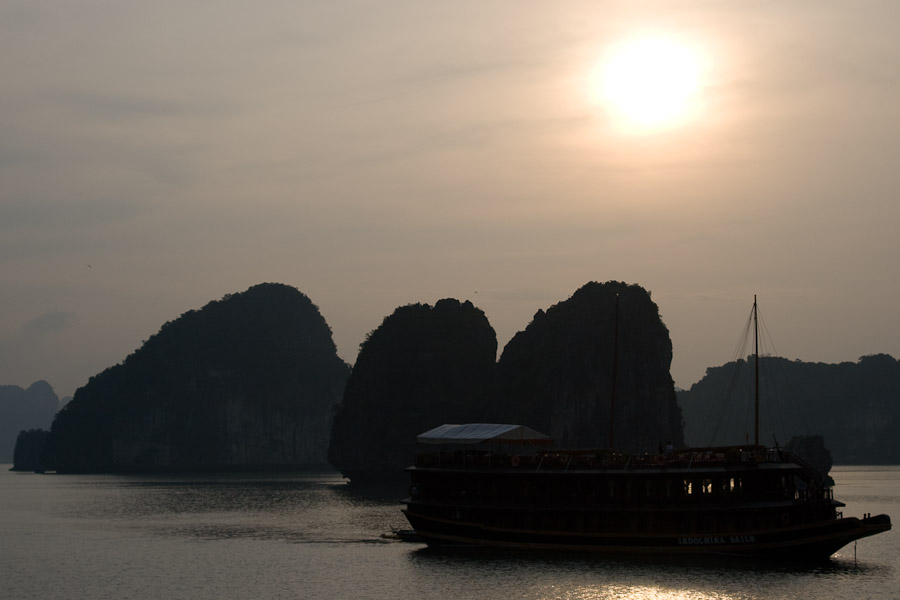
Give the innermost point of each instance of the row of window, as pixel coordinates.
(587, 489)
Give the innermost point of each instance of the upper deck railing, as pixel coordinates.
(598, 459)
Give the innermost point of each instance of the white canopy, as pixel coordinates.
(474, 433)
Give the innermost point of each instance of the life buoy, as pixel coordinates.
(514, 461)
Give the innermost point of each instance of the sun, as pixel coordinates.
(651, 83)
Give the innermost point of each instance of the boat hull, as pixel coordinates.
(810, 541)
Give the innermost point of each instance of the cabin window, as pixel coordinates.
(688, 488)
(734, 485)
(706, 487)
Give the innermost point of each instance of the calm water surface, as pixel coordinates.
(312, 536)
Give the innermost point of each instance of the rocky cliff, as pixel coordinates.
(29, 447)
(427, 366)
(246, 382)
(557, 375)
(422, 367)
(24, 409)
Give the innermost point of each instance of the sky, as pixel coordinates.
(155, 156)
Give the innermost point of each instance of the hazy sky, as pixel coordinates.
(155, 156)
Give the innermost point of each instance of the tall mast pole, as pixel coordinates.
(612, 400)
(756, 363)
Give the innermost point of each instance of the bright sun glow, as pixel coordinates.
(652, 83)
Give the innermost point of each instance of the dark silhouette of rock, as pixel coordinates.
(247, 382)
(29, 446)
(421, 368)
(556, 376)
(22, 409)
(811, 450)
(853, 405)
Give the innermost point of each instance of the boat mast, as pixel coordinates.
(612, 400)
(756, 363)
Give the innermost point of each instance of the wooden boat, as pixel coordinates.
(504, 486)
(737, 500)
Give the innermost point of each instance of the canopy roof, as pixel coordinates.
(474, 433)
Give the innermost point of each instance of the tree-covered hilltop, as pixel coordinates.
(424, 366)
(556, 376)
(246, 382)
(24, 409)
(855, 406)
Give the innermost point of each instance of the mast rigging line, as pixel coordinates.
(774, 388)
(726, 392)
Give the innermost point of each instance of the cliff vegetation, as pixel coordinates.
(427, 366)
(562, 374)
(422, 367)
(246, 382)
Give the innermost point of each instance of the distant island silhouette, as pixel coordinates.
(253, 381)
(24, 409)
(854, 406)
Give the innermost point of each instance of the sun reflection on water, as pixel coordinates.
(615, 592)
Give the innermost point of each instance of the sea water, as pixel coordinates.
(310, 535)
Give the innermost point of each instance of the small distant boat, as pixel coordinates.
(505, 486)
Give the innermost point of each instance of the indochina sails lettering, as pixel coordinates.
(716, 540)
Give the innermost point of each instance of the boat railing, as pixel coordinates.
(565, 460)
(813, 494)
(813, 475)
